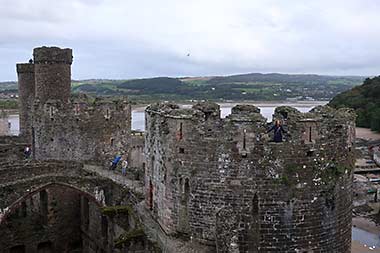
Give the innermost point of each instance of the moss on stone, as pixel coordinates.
(115, 210)
(333, 173)
(134, 234)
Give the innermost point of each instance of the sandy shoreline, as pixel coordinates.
(357, 247)
(367, 134)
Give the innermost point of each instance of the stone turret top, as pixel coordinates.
(25, 67)
(43, 55)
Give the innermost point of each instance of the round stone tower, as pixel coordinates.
(26, 89)
(225, 183)
(52, 73)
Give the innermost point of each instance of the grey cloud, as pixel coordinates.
(125, 38)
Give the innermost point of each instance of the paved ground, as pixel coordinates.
(367, 134)
(360, 248)
(134, 185)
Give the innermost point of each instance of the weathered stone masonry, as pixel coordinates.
(224, 183)
(81, 130)
(52, 203)
(61, 127)
(26, 89)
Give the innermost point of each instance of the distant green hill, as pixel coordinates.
(254, 86)
(365, 99)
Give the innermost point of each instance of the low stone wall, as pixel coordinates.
(376, 156)
(12, 148)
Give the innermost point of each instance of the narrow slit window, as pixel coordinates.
(187, 189)
(44, 206)
(310, 139)
(77, 108)
(179, 132)
(107, 116)
(51, 113)
(244, 139)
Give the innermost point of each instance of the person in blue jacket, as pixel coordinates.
(278, 131)
(115, 161)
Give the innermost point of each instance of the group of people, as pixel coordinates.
(124, 164)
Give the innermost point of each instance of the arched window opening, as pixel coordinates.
(244, 139)
(152, 164)
(85, 213)
(44, 206)
(51, 112)
(45, 247)
(187, 189)
(107, 116)
(180, 187)
(310, 129)
(17, 249)
(77, 109)
(104, 227)
(255, 205)
(23, 209)
(179, 134)
(150, 195)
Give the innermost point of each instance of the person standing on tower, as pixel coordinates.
(278, 131)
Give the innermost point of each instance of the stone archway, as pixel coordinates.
(50, 218)
(97, 197)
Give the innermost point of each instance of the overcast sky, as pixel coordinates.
(143, 38)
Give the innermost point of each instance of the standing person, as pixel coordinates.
(124, 167)
(278, 131)
(27, 152)
(115, 162)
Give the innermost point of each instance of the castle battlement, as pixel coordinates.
(319, 121)
(224, 180)
(55, 55)
(25, 67)
(64, 127)
(83, 109)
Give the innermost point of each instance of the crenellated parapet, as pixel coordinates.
(64, 127)
(81, 130)
(52, 67)
(205, 173)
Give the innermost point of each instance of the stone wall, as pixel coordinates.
(207, 176)
(376, 155)
(64, 128)
(11, 148)
(59, 206)
(52, 70)
(136, 157)
(49, 218)
(81, 131)
(5, 126)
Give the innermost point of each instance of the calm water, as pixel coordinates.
(365, 237)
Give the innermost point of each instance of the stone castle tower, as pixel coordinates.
(61, 127)
(224, 183)
(26, 89)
